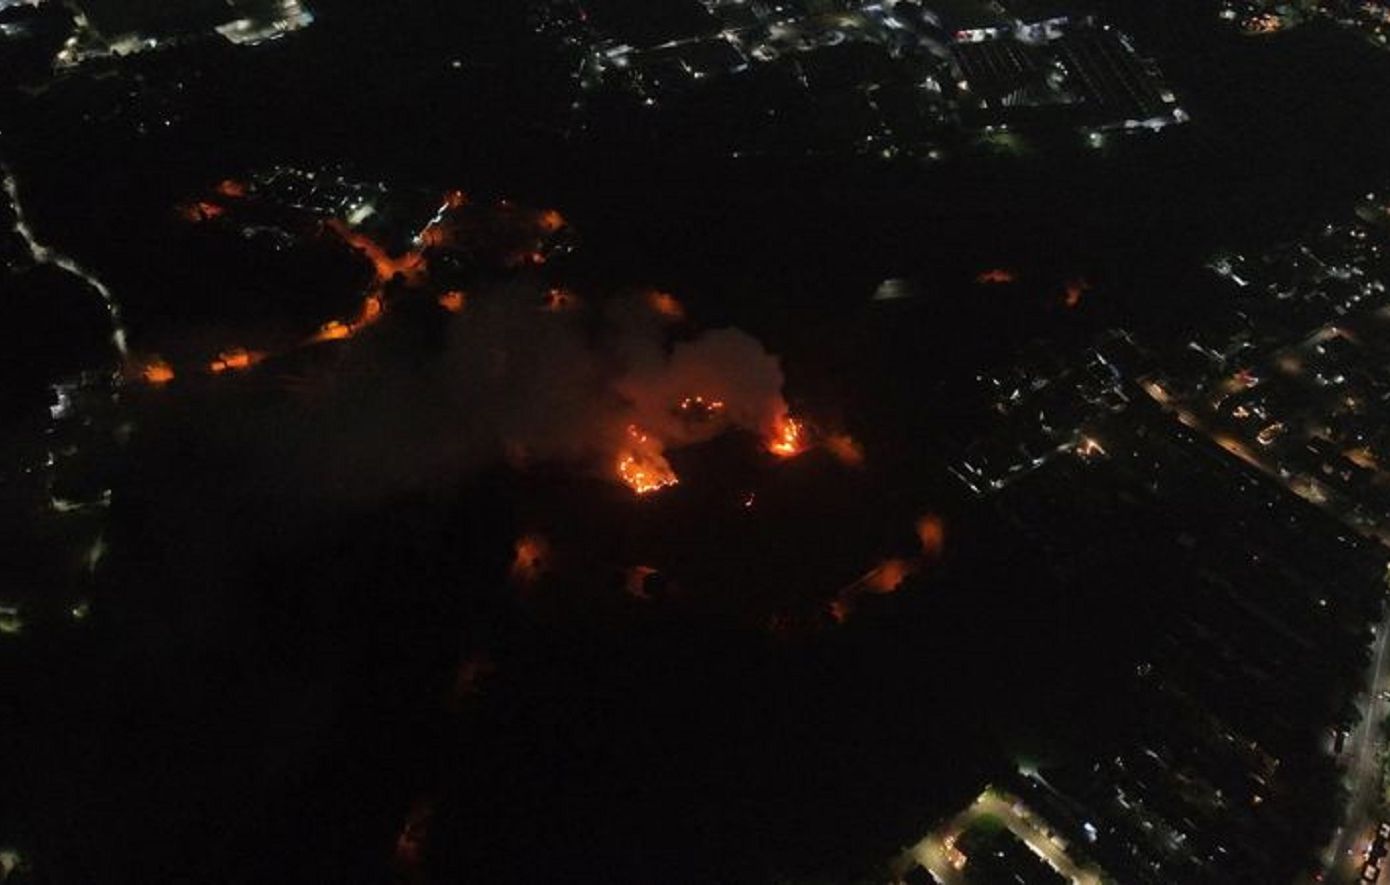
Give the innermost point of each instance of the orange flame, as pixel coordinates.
(788, 437)
(453, 301)
(369, 313)
(156, 371)
(411, 265)
(845, 449)
(931, 532)
(529, 559)
(1075, 289)
(333, 330)
(997, 276)
(887, 576)
(550, 221)
(231, 188)
(235, 360)
(697, 408)
(200, 211)
(665, 304)
(642, 466)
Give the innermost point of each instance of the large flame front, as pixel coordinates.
(788, 437)
(641, 464)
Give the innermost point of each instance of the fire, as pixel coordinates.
(411, 265)
(997, 276)
(1075, 289)
(529, 558)
(453, 301)
(665, 304)
(845, 449)
(156, 371)
(434, 236)
(890, 574)
(560, 299)
(231, 188)
(372, 310)
(369, 313)
(333, 330)
(237, 359)
(642, 466)
(200, 211)
(697, 408)
(455, 199)
(788, 437)
(1090, 448)
(550, 221)
(636, 582)
(931, 532)
(887, 576)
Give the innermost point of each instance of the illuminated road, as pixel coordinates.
(1343, 859)
(1363, 772)
(938, 855)
(44, 255)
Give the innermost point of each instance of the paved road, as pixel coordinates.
(1363, 771)
(1342, 862)
(937, 853)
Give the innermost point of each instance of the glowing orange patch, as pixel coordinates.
(788, 437)
(845, 449)
(996, 277)
(235, 360)
(550, 221)
(642, 466)
(931, 532)
(231, 188)
(411, 265)
(529, 558)
(697, 408)
(888, 576)
(156, 371)
(1075, 289)
(666, 305)
(453, 301)
(370, 311)
(200, 211)
(333, 330)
